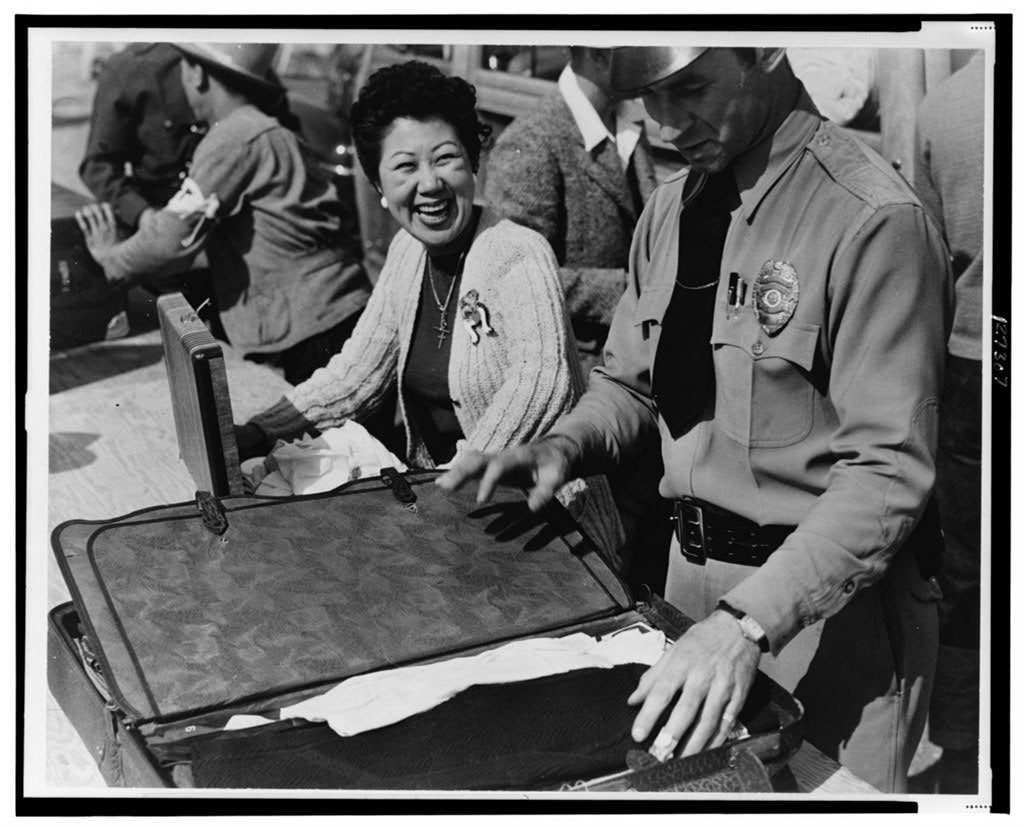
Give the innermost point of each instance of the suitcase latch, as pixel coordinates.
(212, 512)
(399, 486)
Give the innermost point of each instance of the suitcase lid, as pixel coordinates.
(305, 591)
(200, 399)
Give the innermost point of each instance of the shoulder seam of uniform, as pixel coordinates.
(889, 194)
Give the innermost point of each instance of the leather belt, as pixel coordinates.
(705, 531)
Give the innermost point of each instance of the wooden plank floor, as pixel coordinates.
(113, 449)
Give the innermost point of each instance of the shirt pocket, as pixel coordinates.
(764, 397)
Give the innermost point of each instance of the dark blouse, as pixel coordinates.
(426, 369)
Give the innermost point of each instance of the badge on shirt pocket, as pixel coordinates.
(776, 293)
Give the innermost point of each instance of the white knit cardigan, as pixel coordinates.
(507, 389)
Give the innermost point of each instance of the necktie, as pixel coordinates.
(683, 379)
(633, 185)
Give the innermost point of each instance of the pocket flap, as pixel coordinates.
(796, 343)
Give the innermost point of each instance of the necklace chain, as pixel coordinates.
(443, 330)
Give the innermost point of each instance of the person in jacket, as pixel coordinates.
(949, 176)
(142, 133)
(288, 284)
(467, 319)
(783, 339)
(578, 169)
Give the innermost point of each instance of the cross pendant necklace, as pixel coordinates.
(443, 330)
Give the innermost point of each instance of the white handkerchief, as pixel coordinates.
(318, 464)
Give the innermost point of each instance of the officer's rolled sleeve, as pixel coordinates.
(890, 304)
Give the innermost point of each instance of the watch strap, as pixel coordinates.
(751, 630)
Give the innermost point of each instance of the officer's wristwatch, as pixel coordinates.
(752, 631)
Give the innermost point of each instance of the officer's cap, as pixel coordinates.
(637, 67)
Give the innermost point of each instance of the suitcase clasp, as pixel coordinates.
(212, 512)
(399, 486)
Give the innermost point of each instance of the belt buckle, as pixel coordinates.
(690, 531)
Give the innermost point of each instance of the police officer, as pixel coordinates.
(143, 132)
(783, 336)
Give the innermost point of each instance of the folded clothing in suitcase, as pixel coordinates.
(193, 612)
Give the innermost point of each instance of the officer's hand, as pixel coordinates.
(714, 665)
(540, 467)
(251, 441)
(99, 227)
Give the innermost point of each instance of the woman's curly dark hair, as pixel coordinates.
(414, 90)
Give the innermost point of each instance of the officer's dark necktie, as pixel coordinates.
(684, 377)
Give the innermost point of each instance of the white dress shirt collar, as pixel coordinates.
(629, 118)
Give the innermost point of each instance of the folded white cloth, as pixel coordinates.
(311, 465)
(377, 699)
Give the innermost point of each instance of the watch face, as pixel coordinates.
(753, 631)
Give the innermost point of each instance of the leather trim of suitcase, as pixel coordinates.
(121, 753)
(773, 718)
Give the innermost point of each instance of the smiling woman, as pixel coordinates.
(467, 319)
(427, 182)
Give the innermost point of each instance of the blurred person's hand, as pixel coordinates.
(99, 227)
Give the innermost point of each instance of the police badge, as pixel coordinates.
(776, 292)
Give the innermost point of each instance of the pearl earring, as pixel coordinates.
(384, 202)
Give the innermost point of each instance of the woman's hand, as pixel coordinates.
(99, 227)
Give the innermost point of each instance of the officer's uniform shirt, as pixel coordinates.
(830, 423)
(141, 116)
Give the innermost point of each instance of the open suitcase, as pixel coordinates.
(186, 614)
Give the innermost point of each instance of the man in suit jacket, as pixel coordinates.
(578, 170)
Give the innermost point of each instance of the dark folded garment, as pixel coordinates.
(528, 734)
